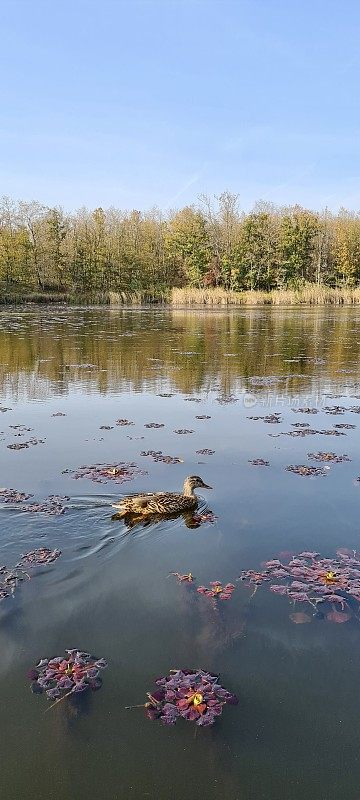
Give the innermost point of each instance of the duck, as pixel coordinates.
(162, 503)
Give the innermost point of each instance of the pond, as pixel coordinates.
(67, 376)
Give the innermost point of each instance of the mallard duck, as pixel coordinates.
(162, 503)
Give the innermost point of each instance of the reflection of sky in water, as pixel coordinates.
(110, 592)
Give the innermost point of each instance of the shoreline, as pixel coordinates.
(190, 297)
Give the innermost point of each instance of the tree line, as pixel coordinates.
(212, 243)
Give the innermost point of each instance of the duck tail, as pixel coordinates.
(121, 511)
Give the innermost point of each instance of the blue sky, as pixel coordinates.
(138, 103)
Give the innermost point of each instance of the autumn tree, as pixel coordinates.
(297, 244)
(188, 246)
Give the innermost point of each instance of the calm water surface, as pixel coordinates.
(294, 733)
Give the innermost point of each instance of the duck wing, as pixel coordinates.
(139, 502)
(155, 503)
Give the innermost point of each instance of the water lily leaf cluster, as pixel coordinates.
(39, 557)
(25, 445)
(194, 695)
(102, 473)
(10, 577)
(217, 590)
(331, 586)
(157, 455)
(61, 676)
(305, 471)
(336, 459)
(13, 496)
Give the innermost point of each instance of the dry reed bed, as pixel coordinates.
(308, 295)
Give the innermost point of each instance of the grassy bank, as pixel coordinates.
(308, 295)
(20, 297)
(311, 294)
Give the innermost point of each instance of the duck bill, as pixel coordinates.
(205, 486)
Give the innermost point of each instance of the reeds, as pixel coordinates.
(311, 294)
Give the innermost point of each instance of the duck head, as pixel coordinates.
(194, 482)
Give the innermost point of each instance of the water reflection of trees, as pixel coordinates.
(45, 353)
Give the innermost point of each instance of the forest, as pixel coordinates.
(210, 244)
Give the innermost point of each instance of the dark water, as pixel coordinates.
(294, 733)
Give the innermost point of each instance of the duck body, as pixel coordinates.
(161, 503)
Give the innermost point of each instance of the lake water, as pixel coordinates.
(294, 733)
